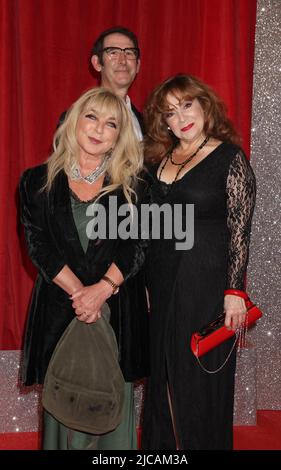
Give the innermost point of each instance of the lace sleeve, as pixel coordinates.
(241, 195)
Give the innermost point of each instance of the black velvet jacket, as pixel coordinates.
(53, 242)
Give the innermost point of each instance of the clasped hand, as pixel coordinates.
(88, 301)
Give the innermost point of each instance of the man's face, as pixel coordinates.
(117, 73)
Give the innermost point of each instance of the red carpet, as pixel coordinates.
(20, 441)
(265, 436)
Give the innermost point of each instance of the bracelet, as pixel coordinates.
(239, 293)
(115, 287)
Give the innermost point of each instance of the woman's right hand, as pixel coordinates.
(235, 312)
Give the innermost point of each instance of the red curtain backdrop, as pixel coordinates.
(44, 54)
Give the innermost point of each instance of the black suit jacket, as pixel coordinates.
(53, 242)
(139, 117)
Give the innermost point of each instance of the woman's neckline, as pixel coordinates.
(92, 199)
(191, 169)
(77, 198)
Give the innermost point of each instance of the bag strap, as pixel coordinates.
(240, 335)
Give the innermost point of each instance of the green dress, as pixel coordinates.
(56, 436)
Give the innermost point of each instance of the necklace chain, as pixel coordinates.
(191, 156)
(93, 176)
(182, 164)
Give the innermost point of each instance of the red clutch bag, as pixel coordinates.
(216, 332)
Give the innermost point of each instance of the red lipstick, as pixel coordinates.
(186, 128)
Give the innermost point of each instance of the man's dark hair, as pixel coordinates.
(98, 45)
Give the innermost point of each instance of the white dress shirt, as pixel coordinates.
(135, 120)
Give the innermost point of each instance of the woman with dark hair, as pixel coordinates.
(195, 160)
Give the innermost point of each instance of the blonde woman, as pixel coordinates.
(96, 155)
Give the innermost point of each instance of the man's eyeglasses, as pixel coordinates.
(131, 53)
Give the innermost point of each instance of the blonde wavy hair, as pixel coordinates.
(126, 160)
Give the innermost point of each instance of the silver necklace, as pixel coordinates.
(93, 176)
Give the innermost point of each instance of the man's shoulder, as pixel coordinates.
(139, 116)
(136, 111)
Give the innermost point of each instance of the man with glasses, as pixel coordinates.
(116, 56)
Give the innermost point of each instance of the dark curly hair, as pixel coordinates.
(158, 140)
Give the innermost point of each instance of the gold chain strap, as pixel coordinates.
(240, 340)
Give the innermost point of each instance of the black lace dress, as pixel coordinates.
(186, 292)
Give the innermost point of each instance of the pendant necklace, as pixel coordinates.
(182, 164)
